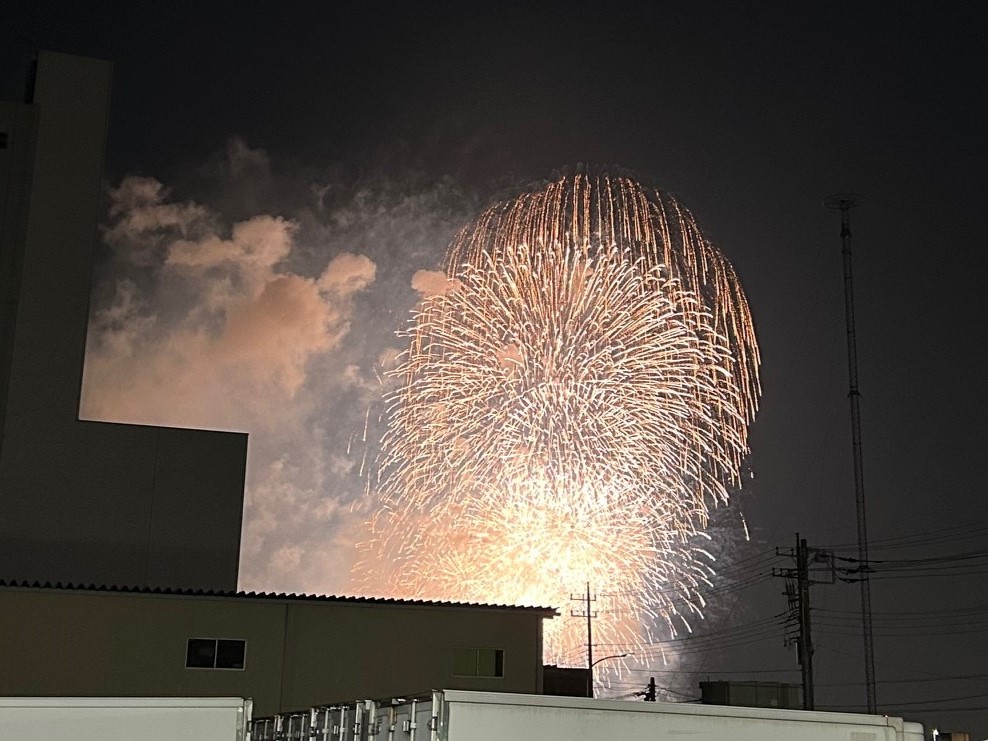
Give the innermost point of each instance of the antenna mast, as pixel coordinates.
(845, 202)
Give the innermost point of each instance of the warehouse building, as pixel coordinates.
(284, 651)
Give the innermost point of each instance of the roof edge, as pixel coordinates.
(272, 596)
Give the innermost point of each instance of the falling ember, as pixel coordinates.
(569, 412)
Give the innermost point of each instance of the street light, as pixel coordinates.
(590, 671)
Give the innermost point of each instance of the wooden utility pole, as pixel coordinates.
(589, 615)
(805, 640)
(798, 594)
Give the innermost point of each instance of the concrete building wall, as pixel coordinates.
(387, 651)
(96, 503)
(87, 502)
(197, 508)
(299, 652)
(72, 95)
(18, 126)
(55, 643)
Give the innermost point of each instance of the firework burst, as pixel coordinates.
(569, 410)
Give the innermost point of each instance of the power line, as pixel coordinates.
(941, 535)
(915, 634)
(886, 663)
(980, 607)
(927, 702)
(768, 629)
(706, 673)
(958, 678)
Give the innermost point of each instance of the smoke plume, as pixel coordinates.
(268, 306)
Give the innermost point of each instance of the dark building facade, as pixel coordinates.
(287, 652)
(80, 501)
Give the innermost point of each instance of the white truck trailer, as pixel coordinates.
(125, 718)
(455, 715)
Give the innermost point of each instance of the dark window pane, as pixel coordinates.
(478, 662)
(485, 662)
(465, 662)
(230, 654)
(201, 653)
(490, 662)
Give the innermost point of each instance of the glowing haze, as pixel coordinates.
(567, 404)
(573, 401)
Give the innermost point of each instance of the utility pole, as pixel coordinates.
(799, 604)
(845, 202)
(589, 615)
(806, 641)
(589, 644)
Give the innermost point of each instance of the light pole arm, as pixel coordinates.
(590, 670)
(615, 656)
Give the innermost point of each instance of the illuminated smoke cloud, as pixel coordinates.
(433, 283)
(248, 331)
(276, 318)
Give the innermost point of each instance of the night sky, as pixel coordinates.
(377, 130)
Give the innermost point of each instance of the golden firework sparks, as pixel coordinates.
(568, 412)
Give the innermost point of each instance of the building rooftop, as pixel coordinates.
(273, 596)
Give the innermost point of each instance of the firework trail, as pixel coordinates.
(569, 410)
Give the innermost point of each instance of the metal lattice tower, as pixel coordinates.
(845, 202)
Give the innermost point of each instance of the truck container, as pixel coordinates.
(458, 715)
(125, 718)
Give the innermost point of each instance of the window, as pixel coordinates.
(215, 653)
(3, 139)
(478, 662)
